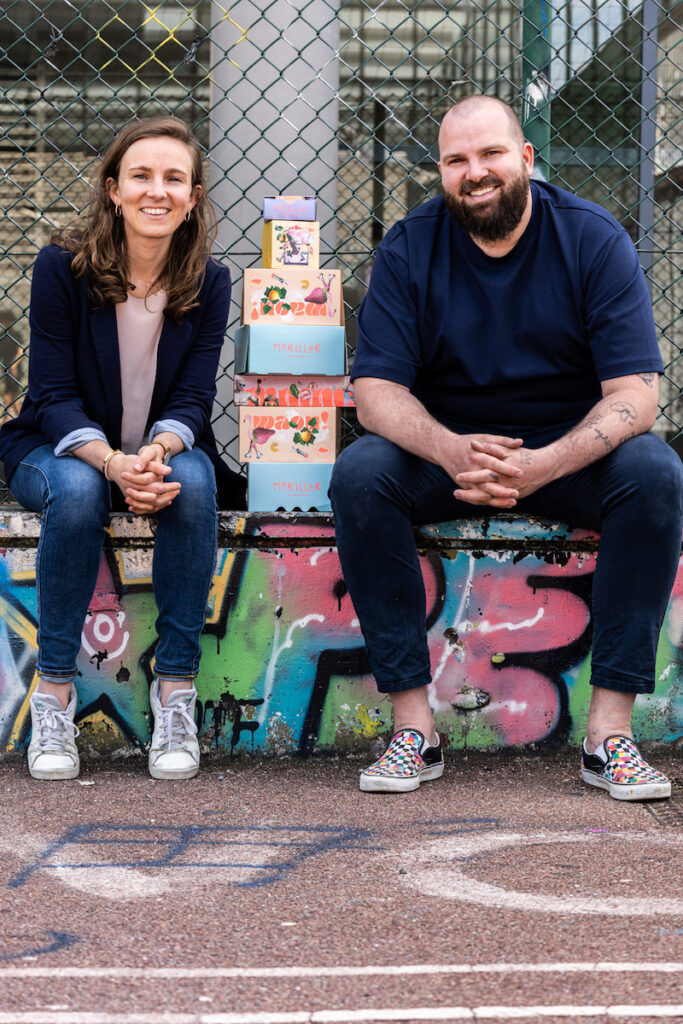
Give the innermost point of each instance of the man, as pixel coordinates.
(507, 359)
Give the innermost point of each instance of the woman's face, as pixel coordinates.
(154, 188)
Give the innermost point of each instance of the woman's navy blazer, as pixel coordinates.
(75, 373)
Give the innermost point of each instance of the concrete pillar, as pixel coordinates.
(274, 119)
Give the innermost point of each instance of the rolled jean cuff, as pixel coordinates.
(621, 682)
(398, 685)
(175, 673)
(56, 675)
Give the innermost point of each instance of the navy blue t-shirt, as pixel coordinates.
(513, 345)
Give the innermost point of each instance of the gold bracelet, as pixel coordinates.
(107, 458)
(166, 447)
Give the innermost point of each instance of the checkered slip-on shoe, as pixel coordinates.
(618, 766)
(407, 761)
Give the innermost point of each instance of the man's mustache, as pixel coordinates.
(471, 186)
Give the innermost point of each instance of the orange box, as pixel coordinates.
(292, 435)
(278, 390)
(292, 295)
(291, 243)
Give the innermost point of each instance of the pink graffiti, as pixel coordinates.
(104, 628)
(503, 616)
(309, 576)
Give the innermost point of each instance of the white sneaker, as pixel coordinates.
(174, 753)
(52, 751)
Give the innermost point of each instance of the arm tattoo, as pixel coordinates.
(604, 438)
(627, 412)
(647, 378)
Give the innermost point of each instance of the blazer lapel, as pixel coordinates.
(105, 341)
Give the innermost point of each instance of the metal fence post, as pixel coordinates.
(647, 138)
(536, 54)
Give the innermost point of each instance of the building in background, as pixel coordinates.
(340, 98)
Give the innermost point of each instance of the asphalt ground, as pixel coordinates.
(274, 892)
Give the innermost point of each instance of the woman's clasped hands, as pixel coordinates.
(141, 478)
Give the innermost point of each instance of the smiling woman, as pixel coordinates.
(128, 316)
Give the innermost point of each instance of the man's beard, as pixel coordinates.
(496, 223)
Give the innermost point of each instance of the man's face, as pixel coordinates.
(484, 173)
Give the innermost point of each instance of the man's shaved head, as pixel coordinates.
(472, 105)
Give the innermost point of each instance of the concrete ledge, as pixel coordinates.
(284, 665)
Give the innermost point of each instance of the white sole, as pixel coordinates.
(641, 791)
(386, 784)
(59, 775)
(183, 773)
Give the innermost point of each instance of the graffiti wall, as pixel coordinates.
(284, 666)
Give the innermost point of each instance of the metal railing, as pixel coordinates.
(341, 98)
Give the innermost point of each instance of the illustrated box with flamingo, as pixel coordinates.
(292, 295)
(288, 435)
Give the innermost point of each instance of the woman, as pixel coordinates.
(127, 322)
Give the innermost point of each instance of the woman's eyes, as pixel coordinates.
(143, 177)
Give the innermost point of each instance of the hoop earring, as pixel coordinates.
(117, 211)
(187, 216)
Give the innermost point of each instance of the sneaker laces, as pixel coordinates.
(53, 725)
(175, 723)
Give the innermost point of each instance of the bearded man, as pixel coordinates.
(507, 359)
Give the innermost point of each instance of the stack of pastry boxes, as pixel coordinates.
(290, 363)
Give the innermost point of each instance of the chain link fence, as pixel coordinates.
(341, 98)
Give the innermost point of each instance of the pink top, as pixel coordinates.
(139, 322)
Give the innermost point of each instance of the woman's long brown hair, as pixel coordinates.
(98, 239)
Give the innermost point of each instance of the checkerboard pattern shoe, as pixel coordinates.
(618, 766)
(407, 761)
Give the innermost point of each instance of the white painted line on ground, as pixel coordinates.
(386, 970)
(365, 1016)
(444, 868)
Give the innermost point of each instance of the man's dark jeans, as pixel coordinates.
(634, 497)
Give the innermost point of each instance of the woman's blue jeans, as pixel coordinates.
(75, 501)
(634, 496)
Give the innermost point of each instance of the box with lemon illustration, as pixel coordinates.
(288, 435)
(290, 366)
(293, 296)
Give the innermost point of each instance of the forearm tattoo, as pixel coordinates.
(627, 412)
(604, 438)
